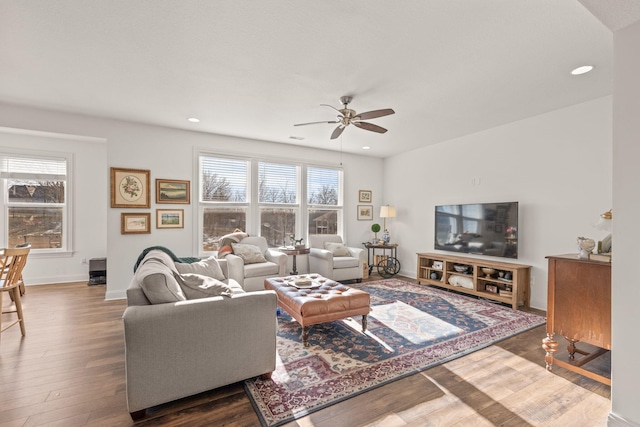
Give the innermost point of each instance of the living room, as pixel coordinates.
(564, 167)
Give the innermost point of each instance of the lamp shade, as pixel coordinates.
(387, 211)
(604, 222)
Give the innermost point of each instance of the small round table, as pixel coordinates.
(289, 250)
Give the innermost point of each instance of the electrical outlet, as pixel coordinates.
(84, 260)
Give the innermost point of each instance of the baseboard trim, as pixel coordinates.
(616, 421)
(56, 279)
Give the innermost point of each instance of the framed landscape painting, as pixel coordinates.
(169, 218)
(130, 188)
(365, 212)
(172, 191)
(135, 223)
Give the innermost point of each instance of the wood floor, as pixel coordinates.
(69, 371)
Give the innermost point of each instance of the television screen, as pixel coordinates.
(482, 229)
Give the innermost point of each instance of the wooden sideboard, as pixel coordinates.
(579, 309)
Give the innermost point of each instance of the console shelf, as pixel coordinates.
(508, 283)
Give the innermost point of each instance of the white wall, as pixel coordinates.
(169, 153)
(557, 166)
(625, 346)
(88, 206)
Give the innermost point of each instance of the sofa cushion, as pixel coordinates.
(207, 267)
(261, 269)
(196, 286)
(337, 249)
(250, 254)
(345, 262)
(225, 247)
(158, 282)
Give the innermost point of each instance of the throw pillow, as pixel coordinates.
(250, 254)
(225, 247)
(337, 249)
(197, 286)
(157, 282)
(207, 267)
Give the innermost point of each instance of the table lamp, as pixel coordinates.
(387, 211)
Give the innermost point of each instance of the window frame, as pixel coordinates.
(66, 236)
(253, 218)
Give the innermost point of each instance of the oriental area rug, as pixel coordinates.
(410, 328)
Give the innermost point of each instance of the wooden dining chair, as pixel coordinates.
(22, 288)
(12, 262)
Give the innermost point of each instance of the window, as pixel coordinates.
(324, 200)
(36, 195)
(224, 197)
(290, 199)
(278, 200)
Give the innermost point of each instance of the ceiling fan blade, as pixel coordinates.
(315, 123)
(373, 114)
(369, 126)
(330, 106)
(337, 132)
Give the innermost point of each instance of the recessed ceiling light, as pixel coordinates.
(366, 147)
(582, 70)
(297, 138)
(193, 120)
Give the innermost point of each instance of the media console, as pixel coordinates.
(495, 280)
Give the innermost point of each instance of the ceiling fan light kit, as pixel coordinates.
(350, 117)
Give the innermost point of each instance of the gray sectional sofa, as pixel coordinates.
(197, 342)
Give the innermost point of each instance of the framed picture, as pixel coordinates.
(135, 223)
(130, 188)
(365, 212)
(169, 218)
(173, 191)
(364, 196)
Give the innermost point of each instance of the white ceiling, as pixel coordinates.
(254, 68)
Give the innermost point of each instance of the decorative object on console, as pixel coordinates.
(460, 268)
(488, 271)
(604, 223)
(586, 247)
(387, 211)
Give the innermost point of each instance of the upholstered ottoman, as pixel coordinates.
(324, 301)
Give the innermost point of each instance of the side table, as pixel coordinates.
(294, 251)
(389, 266)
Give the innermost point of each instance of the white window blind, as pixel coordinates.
(323, 186)
(223, 180)
(277, 183)
(29, 168)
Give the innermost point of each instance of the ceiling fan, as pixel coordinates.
(350, 117)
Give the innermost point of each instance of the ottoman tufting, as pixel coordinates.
(323, 300)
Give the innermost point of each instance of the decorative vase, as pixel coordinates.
(386, 237)
(586, 247)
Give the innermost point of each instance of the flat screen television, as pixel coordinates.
(479, 228)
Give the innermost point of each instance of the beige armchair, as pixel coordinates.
(251, 275)
(331, 258)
